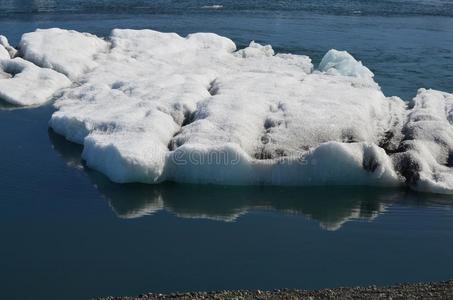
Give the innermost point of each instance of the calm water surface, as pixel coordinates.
(67, 232)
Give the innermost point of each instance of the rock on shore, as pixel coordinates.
(438, 290)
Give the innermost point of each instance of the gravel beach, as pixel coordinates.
(436, 290)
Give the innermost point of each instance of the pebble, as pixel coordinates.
(438, 290)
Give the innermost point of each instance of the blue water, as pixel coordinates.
(408, 44)
(67, 232)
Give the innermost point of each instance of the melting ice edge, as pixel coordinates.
(149, 107)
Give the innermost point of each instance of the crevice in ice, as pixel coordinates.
(117, 85)
(386, 142)
(213, 88)
(397, 143)
(270, 122)
(449, 162)
(370, 163)
(189, 117)
(391, 144)
(173, 144)
(348, 136)
(408, 167)
(11, 71)
(392, 140)
(5, 75)
(269, 148)
(264, 152)
(263, 155)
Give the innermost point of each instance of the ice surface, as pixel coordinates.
(66, 51)
(151, 107)
(138, 98)
(23, 83)
(427, 150)
(5, 44)
(341, 62)
(4, 54)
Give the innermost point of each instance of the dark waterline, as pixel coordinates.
(67, 232)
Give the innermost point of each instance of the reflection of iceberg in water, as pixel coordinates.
(331, 207)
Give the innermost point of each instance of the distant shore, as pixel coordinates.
(434, 290)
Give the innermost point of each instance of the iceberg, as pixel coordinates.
(151, 107)
(262, 114)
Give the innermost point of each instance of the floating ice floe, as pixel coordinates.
(23, 83)
(151, 107)
(215, 6)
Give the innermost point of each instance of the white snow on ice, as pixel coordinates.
(4, 44)
(429, 142)
(4, 54)
(23, 83)
(66, 51)
(152, 106)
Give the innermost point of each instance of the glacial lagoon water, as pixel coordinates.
(67, 232)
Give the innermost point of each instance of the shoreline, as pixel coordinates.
(432, 290)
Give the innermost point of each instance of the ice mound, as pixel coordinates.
(4, 54)
(151, 107)
(4, 44)
(66, 51)
(426, 152)
(23, 83)
(342, 63)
